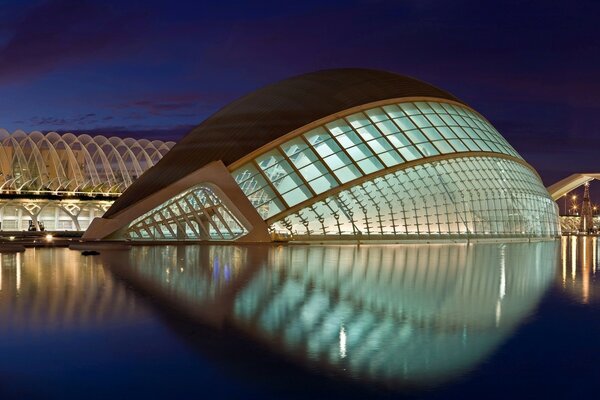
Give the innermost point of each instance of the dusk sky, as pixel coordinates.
(156, 68)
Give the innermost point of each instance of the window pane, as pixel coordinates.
(370, 165)
(391, 158)
(323, 184)
(399, 140)
(427, 149)
(327, 147)
(313, 171)
(348, 173)
(297, 195)
(358, 120)
(349, 139)
(359, 152)
(376, 114)
(393, 111)
(409, 108)
(337, 160)
(269, 159)
(416, 136)
(387, 127)
(410, 153)
(369, 132)
(338, 126)
(303, 158)
(316, 136)
(293, 146)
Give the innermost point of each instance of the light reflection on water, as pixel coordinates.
(389, 316)
(392, 315)
(51, 290)
(579, 268)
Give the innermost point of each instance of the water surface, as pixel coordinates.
(390, 321)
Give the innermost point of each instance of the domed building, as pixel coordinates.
(344, 154)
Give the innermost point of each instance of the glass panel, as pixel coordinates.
(370, 165)
(337, 160)
(277, 171)
(393, 111)
(269, 159)
(316, 136)
(287, 183)
(391, 158)
(298, 195)
(349, 139)
(443, 147)
(327, 147)
(427, 149)
(458, 145)
(410, 153)
(399, 140)
(432, 133)
(313, 171)
(409, 108)
(359, 152)
(420, 121)
(388, 127)
(379, 145)
(323, 183)
(348, 173)
(338, 126)
(376, 114)
(358, 120)
(405, 124)
(294, 146)
(303, 158)
(369, 132)
(416, 136)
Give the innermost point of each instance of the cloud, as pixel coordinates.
(140, 132)
(80, 119)
(59, 32)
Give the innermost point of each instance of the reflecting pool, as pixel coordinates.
(424, 321)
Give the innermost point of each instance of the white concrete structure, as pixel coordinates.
(63, 181)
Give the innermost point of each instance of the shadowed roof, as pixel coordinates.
(268, 113)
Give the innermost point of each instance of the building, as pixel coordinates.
(337, 154)
(61, 182)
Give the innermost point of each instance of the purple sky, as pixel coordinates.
(157, 68)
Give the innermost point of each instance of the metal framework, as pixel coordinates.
(196, 214)
(62, 182)
(331, 181)
(67, 164)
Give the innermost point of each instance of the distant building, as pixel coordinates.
(61, 182)
(338, 154)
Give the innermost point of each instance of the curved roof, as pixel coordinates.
(52, 163)
(268, 113)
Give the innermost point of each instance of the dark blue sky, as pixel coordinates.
(156, 68)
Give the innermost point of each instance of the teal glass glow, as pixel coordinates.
(497, 197)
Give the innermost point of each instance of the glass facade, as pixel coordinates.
(470, 195)
(360, 144)
(195, 214)
(466, 196)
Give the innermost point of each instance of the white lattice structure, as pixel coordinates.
(63, 181)
(64, 163)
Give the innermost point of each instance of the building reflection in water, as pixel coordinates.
(53, 290)
(579, 266)
(396, 315)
